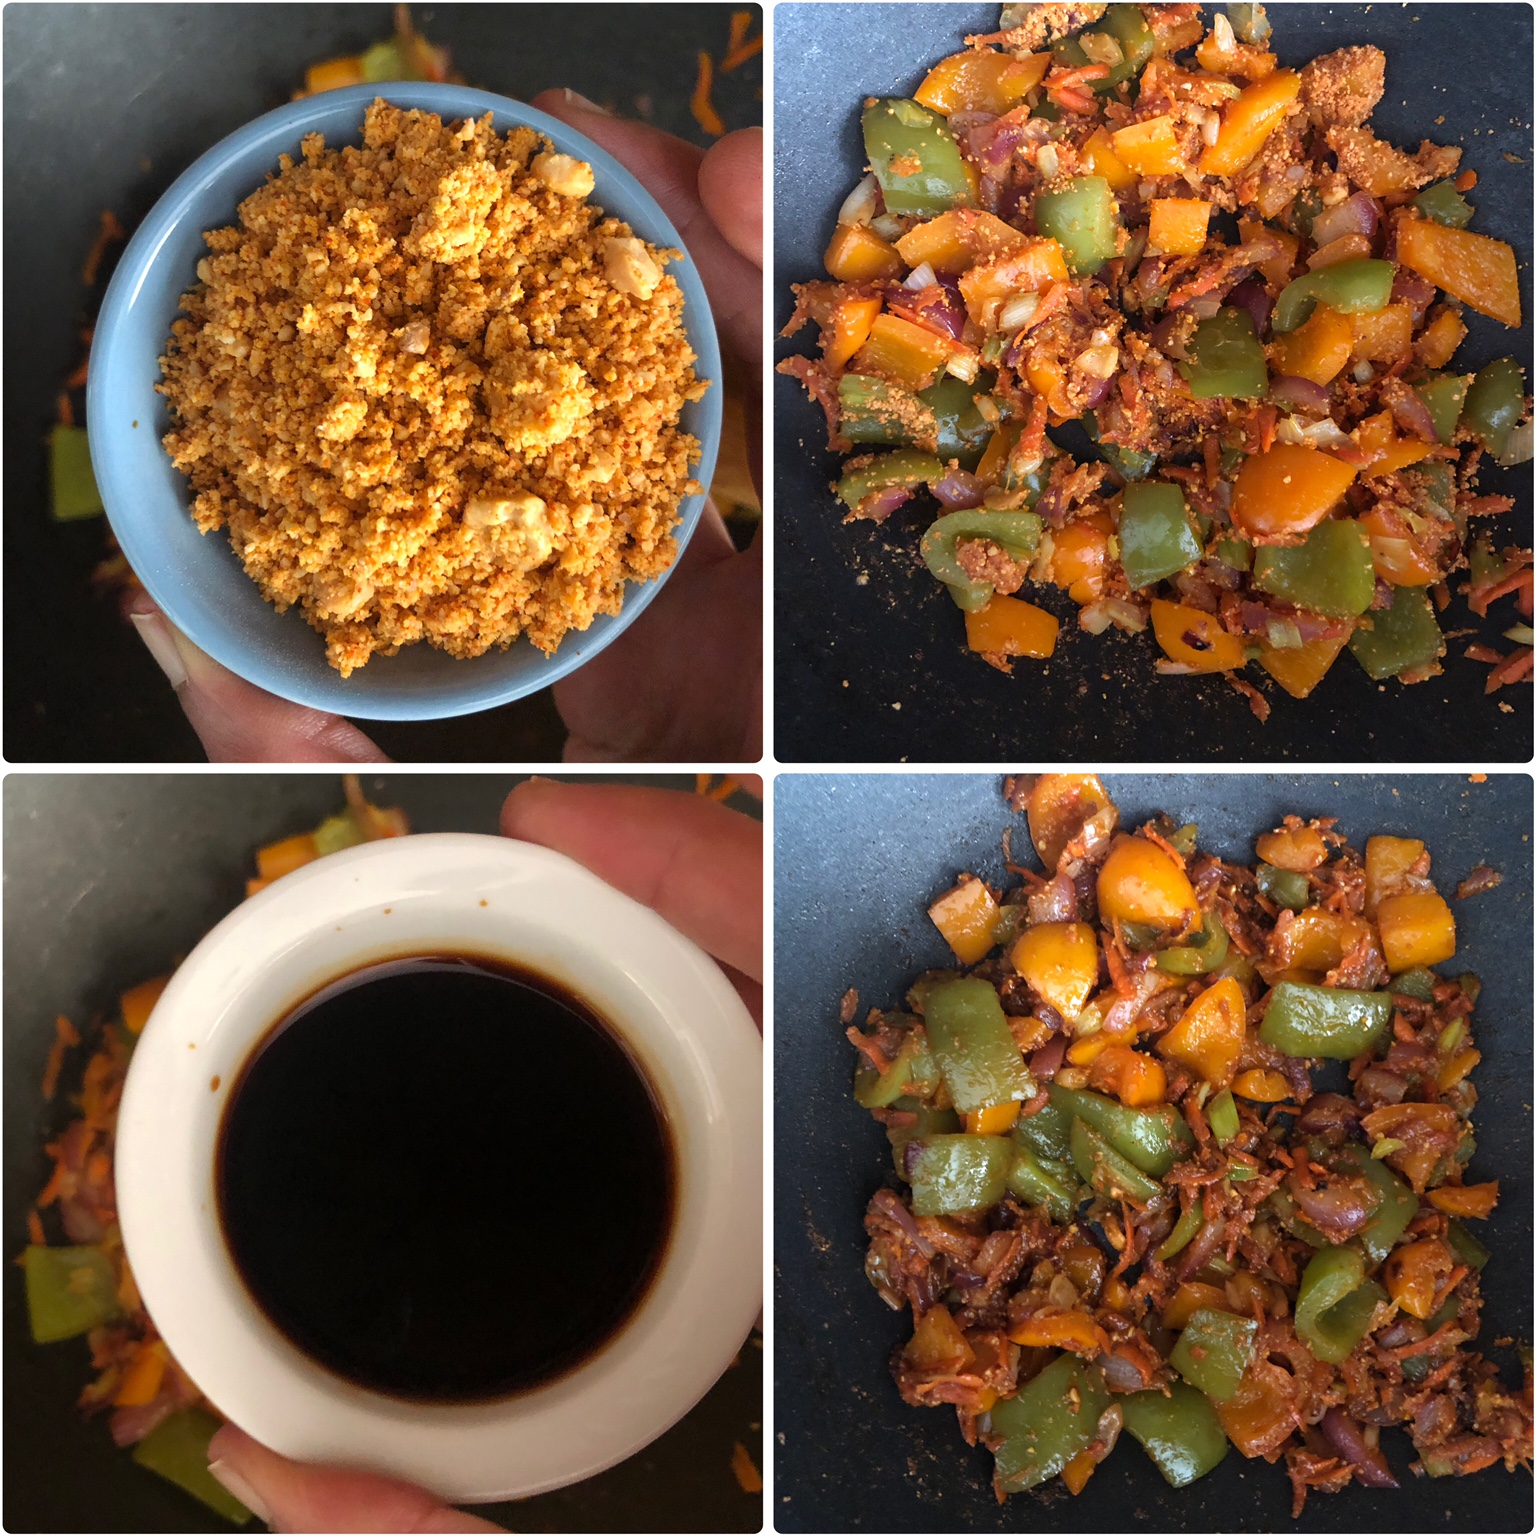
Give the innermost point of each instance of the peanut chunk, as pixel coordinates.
(522, 509)
(564, 174)
(629, 266)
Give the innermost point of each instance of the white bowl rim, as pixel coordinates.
(698, 1309)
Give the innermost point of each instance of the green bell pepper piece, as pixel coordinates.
(1191, 1219)
(71, 478)
(1222, 1117)
(178, 1451)
(1401, 637)
(1467, 1247)
(1053, 1418)
(963, 431)
(1284, 1207)
(960, 1173)
(1082, 218)
(1397, 1208)
(1128, 463)
(1285, 887)
(1180, 1432)
(1141, 936)
(1441, 202)
(1434, 490)
(1331, 573)
(1418, 983)
(904, 466)
(1203, 955)
(1040, 1181)
(1351, 287)
(1017, 532)
(915, 158)
(1047, 1132)
(1335, 1303)
(969, 1036)
(1227, 361)
(1153, 1139)
(1238, 553)
(1127, 26)
(927, 1123)
(1106, 1170)
(1495, 403)
(1213, 1352)
(69, 1291)
(913, 1071)
(1324, 1021)
(1249, 23)
(1157, 536)
(878, 412)
(1443, 395)
(1305, 207)
(390, 60)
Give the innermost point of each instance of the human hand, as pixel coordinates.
(695, 863)
(684, 681)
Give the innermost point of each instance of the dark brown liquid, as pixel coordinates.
(445, 1178)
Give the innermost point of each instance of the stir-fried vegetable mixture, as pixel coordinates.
(1125, 1206)
(1112, 216)
(78, 1279)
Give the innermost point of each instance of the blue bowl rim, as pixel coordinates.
(325, 690)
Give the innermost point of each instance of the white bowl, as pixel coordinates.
(478, 895)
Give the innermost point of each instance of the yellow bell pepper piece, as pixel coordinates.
(1249, 120)
(1150, 148)
(1318, 350)
(1417, 928)
(137, 1003)
(1261, 1087)
(1142, 883)
(1099, 159)
(994, 1120)
(966, 916)
(1476, 269)
(1387, 863)
(1439, 339)
(1209, 1037)
(857, 254)
(1382, 336)
(1300, 668)
(955, 241)
(907, 354)
(981, 81)
(1008, 626)
(1060, 961)
(1195, 638)
(1178, 225)
(847, 328)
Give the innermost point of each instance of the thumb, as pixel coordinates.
(236, 721)
(294, 1496)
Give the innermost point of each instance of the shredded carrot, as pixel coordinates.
(1511, 669)
(703, 110)
(77, 379)
(1466, 181)
(64, 1035)
(740, 48)
(35, 1232)
(1478, 599)
(109, 233)
(65, 410)
(1483, 653)
(745, 1469)
(1424, 1346)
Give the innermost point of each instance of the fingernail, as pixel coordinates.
(155, 631)
(576, 99)
(221, 1472)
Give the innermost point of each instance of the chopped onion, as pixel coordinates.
(921, 277)
(888, 226)
(1364, 373)
(1203, 307)
(1221, 34)
(1357, 215)
(1521, 634)
(964, 364)
(1097, 617)
(1251, 297)
(1018, 311)
(1325, 434)
(1047, 161)
(1210, 127)
(860, 204)
(1283, 635)
(958, 490)
(1293, 394)
(1101, 48)
(1520, 447)
(1101, 362)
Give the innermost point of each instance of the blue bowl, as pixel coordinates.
(196, 579)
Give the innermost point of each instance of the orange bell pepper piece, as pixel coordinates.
(1261, 1087)
(1439, 339)
(141, 1381)
(1178, 225)
(1476, 269)
(1150, 148)
(282, 858)
(1397, 560)
(1195, 638)
(1099, 159)
(1077, 1471)
(1060, 806)
(1318, 350)
(1078, 555)
(1208, 1039)
(994, 1120)
(955, 241)
(1377, 435)
(1389, 868)
(966, 916)
(1060, 961)
(981, 81)
(847, 328)
(1058, 1328)
(1466, 1199)
(1415, 1273)
(1249, 120)
(1300, 668)
(938, 1344)
(1452, 1071)
(1259, 1417)
(1298, 849)
(1383, 335)
(909, 355)
(1280, 496)
(856, 254)
(1277, 270)
(1190, 1297)
(1034, 265)
(1133, 1077)
(137, 1003)
(1417, 928)
(333, 74)
(1008, 626)
(1142, 883)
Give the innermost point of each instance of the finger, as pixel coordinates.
(697, 864)
(236, 721)
(669, 170)
(731, 189)
(637, 702)
(294, 1496)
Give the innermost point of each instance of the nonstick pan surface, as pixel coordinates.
(871, 662)
(858, 858)
(110, 878)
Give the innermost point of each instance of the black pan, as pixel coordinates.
(858, 858)
(871, 659)
(110, 878)
(105, 105)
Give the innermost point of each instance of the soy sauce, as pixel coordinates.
(445, 1178)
